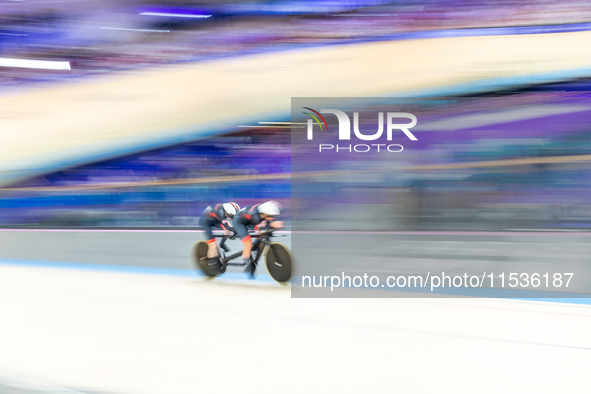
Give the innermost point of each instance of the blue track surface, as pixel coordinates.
(227, 277)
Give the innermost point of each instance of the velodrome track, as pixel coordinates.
(123, 312)
(168, 251)
(109, 330)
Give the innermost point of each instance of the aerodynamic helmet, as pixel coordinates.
(271, 208)
(231, 208)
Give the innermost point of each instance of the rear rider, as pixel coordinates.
(217, 216)
(254, 215)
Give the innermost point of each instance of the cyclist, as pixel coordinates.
(258, 215)
(217, 216)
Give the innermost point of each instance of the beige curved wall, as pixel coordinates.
(57, 125)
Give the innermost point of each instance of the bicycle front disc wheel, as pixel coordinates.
(279, 262)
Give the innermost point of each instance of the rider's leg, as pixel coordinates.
(223, 241)
(250, 265)
(212, 251)
(223, 245)
(247, 242)
(213, 261)
(242, 232)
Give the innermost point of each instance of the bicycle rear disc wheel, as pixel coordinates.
(200, 249)
(279, 262)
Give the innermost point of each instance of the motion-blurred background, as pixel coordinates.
(141, 113)
(120, 121)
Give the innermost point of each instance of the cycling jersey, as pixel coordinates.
(247, 216)
(214, 216)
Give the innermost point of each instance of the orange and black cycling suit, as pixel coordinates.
(247, 216)
(214, 216)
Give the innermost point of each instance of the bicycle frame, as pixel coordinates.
(227, 260)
